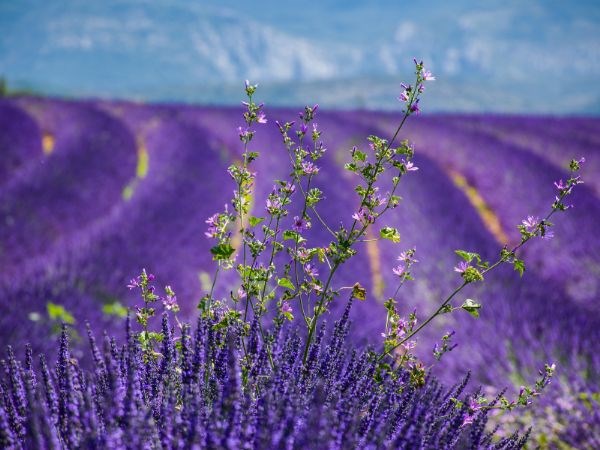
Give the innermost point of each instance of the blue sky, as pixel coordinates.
(540, 56)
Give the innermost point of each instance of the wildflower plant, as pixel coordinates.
(260, 369)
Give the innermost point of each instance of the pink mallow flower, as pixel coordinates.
(133, 283)
(311, 271)
(399, 270)
(309, 168)
(404, 96)
(427, 75)
(461, 267)
(212, 222)
(559, 185)
(531, 223)
(548, 234)
(410, 167)
(300, 224)
(170, 300)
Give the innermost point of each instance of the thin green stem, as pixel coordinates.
(447, 300)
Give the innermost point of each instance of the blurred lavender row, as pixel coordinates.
(91, 192)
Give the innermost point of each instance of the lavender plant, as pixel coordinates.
(248, 377)
(194, 395)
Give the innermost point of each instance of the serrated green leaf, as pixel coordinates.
(284, 282)
(390, 233)
(519, 266)
(291, 235)
(472, 307)
(467, 256)
(253, 221)
(222, 251)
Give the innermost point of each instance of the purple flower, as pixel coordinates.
(311, 271)
(427, 75)
(273, 204)
(531, 223)
(400, 270)
(404, 96)
(300, 224)
(414, 108)
(302, 253)
(133, 283)
(212, 229)
(289, 188)
(548, 234)
(309, 168)
(468, 420)
(410, 167)
(316, 287)
(261, 118)
(170, 300)
(286, 308)
(408, 256)
(461, 267)
(363, 215)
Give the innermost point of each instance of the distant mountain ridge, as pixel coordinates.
(504, 57)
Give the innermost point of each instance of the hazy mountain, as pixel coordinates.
(540, 56)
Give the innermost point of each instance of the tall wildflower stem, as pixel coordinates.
(407, 113)
(214, 282)
(442, 308)
(351, 238)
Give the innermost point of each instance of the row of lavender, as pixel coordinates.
(91, 192)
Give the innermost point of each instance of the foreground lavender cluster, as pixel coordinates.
(195, 396)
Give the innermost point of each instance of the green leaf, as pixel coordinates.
(155, 336)
(291, 235)
(467, 256)
(58, 312)
(222, 251)
(359, 156)
(114, 309)
(359, 292)
(391, 234)
(253, 221)
(472, 307)
(519, 266)
(284, 282)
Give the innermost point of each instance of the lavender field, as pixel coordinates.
(91, 192)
